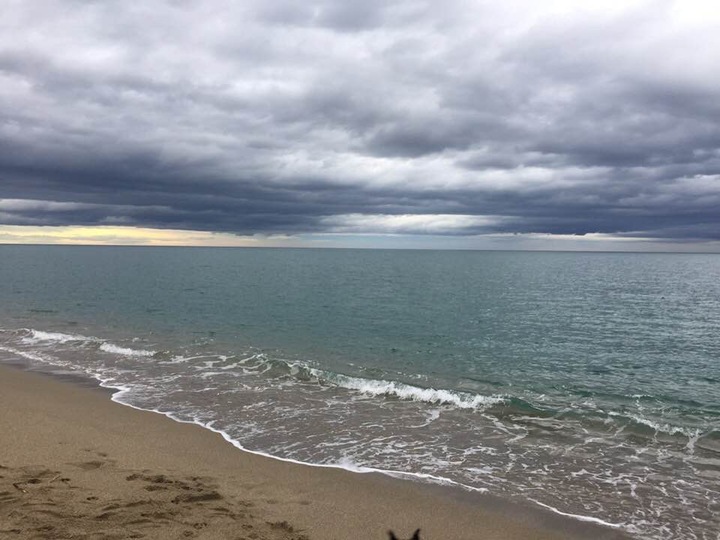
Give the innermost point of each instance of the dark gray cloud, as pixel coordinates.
(335, 116)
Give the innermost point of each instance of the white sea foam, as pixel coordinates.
(24, 354)
(232, 366)
(692, 439)
(580, 517)
(400, 390)
(180, 359)
(657, 426)
(432, 415)
(124, 351)
(38, 336)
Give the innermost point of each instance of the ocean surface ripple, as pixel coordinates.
(588, 384)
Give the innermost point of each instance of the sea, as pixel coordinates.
(587, 384)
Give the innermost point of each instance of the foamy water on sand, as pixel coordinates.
(587, 384)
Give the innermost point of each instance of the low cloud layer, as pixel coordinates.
(403, 117)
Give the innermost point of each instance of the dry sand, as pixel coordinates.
(73, 464)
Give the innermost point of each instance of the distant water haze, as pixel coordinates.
(587, 383)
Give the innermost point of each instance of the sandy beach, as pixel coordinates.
(74, 464)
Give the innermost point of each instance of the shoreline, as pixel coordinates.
(58, 421)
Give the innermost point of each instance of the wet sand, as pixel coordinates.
(73, 464)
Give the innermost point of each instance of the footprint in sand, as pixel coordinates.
(89, 465)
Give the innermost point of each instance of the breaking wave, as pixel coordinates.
(39, 337)
(398, 390)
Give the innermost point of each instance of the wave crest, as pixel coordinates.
(124, 351)
(39, 337)
(302, 373)
(394, 389)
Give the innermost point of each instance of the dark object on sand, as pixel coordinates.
(415, 536)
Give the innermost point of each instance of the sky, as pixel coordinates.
(464, 124)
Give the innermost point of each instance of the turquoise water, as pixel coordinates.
(584, 382)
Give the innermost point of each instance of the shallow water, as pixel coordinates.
(588, 383)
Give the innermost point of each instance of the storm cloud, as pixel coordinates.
(326, 116)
